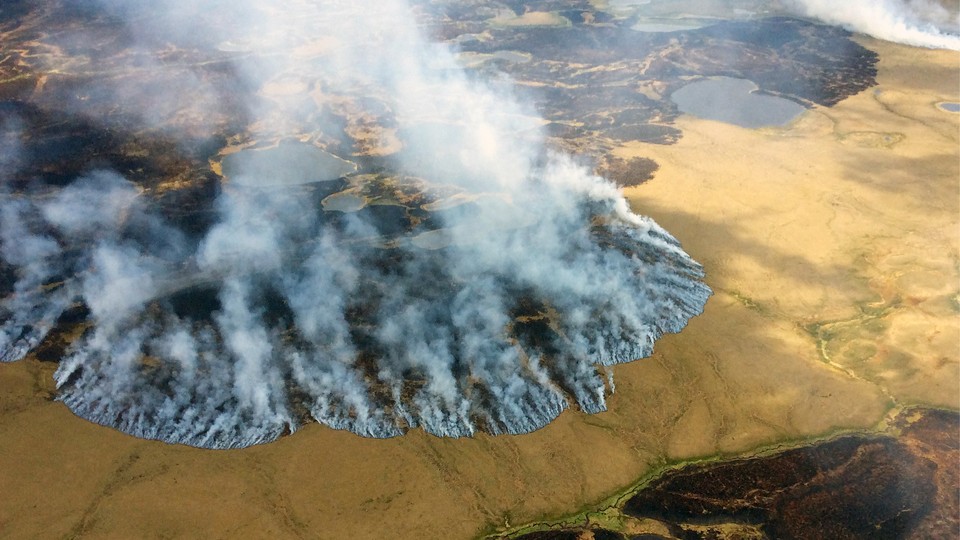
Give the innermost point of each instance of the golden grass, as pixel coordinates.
(835, 265)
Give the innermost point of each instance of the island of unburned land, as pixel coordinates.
(831, 246)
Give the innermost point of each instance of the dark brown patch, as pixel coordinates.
(902, 484)
(851, 487)
(627, 172)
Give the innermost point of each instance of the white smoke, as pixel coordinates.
(340, 317)
(923, 23)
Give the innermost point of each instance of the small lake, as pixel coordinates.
(735, 101)
(949, 106)
(289, 163)
(669, 25)
(345, 201)
(474, 59)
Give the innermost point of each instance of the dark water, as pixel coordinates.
(734, 101)
(289, 163)
(668, 25)
(344, 202)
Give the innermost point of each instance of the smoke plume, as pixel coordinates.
(491, 314)
(923, 23)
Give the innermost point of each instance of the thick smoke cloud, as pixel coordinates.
(924, 23)
(495, 320)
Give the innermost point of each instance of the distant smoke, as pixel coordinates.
(492, 321)
(924, 23)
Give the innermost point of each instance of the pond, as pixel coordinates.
(669, 25)
(735, 101)
(345, 201)
(289, 163)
